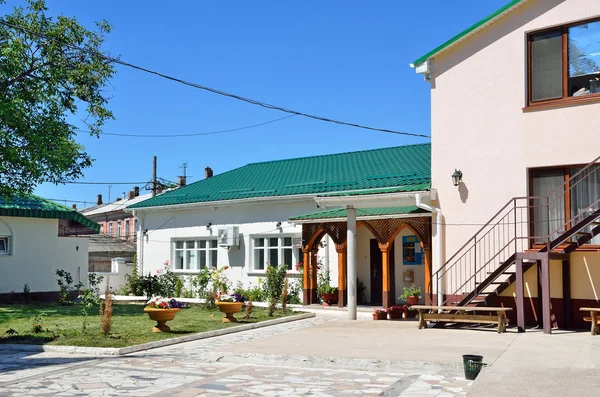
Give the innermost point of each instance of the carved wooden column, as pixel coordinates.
(313, 275)
(342, 273)
(427, 257)
(306, 290)
(386, 297)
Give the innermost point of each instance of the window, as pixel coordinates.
(127, 229)
(275, 251)
(135, 230)
(193, 255)
(563, 63)
(4, 247)
(110, 228)
(568, 209)
(118, 229)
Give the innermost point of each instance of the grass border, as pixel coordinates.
(119, 351)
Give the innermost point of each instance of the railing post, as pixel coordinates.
(548, 218)
(475, 264)
(515, 219)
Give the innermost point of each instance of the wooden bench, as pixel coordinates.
(457, 314)
(594, 318)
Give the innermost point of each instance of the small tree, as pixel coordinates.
(249, 308)
(106, 310)
(284, 296)
(275, 281)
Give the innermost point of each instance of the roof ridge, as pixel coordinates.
(339, 154)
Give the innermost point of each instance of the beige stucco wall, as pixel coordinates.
(479, 127)
(37, 252)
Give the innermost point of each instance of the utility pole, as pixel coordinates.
(109, 186)
(184, 166)
(154, 187)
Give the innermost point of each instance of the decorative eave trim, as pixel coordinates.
(362, 218)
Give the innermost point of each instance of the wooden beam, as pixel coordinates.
(306, 290)
(342, 273)
(428, 271)
(313, 276)
(385, 274)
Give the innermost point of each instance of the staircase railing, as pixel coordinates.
(522, 223)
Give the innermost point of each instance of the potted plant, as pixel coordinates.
(411, 295)
(229, 304)
(162, 310)
(395, 312)
(410, 312)
(379, 314)
(329, 294)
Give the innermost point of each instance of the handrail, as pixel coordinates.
(477, 249)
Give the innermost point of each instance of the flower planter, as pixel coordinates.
(330, 299)
(161, 316)
(411, 313)
(412, 300)
(229, 308)
(380, 316)
(395, 315)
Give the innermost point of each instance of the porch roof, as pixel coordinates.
(341, 214)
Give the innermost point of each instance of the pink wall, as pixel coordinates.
(478, 125)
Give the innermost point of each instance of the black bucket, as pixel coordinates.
(473, 364)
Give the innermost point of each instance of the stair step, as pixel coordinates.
(473, 302)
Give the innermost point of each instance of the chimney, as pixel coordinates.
(118, 199)
(74, 206)
(124, 196)
(99, 201)
(131, 195)
(181, 181)
(208, 172)
(136, 191)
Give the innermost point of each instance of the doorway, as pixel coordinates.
(377, 273)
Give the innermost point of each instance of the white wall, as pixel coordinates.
(117, 275)
(479, 126)
(37, 252)
(252, 219)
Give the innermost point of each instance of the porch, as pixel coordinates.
(393, 250)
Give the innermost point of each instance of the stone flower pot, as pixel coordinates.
(229, 308)
(380, 316)
(412, 300)
(161, 316)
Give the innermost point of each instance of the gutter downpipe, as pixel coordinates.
(140, 243)
(438, 244)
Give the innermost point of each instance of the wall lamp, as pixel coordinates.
(457, 177)
(278, 225)
(208, 225)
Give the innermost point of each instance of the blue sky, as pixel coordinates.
(347, 60)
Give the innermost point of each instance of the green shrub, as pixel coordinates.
(274, 286)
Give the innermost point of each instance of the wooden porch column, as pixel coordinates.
(428, 291)
(385, 275)
(313, 275)
(566, 276)
(342, 275)
(306, 290)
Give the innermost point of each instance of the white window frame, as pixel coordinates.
(197, 249)
(127, 229)
(7, 242)
(110, 229)
(296, 256)
(119, 229)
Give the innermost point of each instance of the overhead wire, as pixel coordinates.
(209, 89)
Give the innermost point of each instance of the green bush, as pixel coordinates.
(274, 286)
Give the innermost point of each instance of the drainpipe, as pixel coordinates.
(140, 243)
(437, 264)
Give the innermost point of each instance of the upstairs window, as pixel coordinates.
(564, 64)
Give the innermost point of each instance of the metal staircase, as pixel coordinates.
(486, 265)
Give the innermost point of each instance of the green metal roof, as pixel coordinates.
(360, 212)
(399, 167)
(397, 189)
(37, 207)
(469, 31)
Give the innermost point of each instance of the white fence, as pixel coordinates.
(118, 270)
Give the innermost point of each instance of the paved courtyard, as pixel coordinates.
(214, 367)
(322, 356)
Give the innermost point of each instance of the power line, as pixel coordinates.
(213, 90)
(191, 134)
(103, 183)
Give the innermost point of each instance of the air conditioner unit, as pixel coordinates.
(297, 242)
(229, 236)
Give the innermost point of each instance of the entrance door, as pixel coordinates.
(377, 274)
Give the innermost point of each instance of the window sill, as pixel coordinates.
(560, 103)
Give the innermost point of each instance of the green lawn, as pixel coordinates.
(62, 325)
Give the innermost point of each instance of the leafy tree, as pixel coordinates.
(44, 80)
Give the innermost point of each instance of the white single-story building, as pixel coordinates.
(266, 214)
(37, 237)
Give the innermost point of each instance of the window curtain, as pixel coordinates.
(547, 222)
(585, 196)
